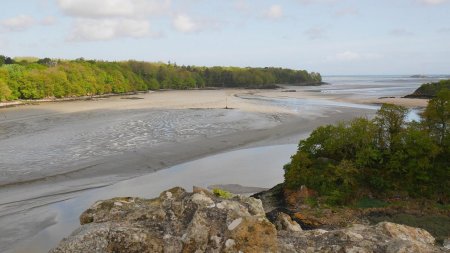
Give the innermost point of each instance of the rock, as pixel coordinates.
(406, 233)
(202, 200)
(307, 220)
(403, 246)
(178, 221)
(234, 224)
(197, 189)
(254, 234)
(296, 198)
(272, 198)
(446, 244)
(253, 205)
(284, 222)
(384, 237)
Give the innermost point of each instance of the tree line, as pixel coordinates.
(381, 158)
(48, 78)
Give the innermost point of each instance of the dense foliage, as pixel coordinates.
(45, 78)
(429, 90)
(384, 157)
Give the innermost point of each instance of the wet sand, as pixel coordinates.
(53, 152)
(310, 93)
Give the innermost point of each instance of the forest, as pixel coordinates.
(48, 78)
(383, 158)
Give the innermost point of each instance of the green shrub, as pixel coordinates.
(222, 193)
(380, 157)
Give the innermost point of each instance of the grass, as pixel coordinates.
(370, 203)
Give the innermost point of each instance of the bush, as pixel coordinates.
(222, 193)
(377, 157)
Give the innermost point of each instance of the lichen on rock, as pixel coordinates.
(178, 221)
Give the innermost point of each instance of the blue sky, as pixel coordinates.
(328, 36)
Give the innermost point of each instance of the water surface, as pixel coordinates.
(257, 167)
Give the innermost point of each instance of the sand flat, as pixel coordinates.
(51, 152)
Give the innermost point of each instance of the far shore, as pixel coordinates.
(279, 91)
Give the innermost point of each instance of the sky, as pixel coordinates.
(328, 36)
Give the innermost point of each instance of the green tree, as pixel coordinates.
(2, 60)
(153, 84)
(437, 115)
(5, 92)
(390, 120)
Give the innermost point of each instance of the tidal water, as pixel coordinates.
(257, 167)
(371, 86)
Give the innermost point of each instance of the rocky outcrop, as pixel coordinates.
(296, 199)
(178, 221)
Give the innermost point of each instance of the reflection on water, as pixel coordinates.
(318, 105)
(308, 104)
(259, 167)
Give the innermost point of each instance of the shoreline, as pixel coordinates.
(255, 124)
(288, 132)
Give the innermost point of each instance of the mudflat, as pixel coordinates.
(52, 152)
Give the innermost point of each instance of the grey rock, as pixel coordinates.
(284, 222)
(178, 221)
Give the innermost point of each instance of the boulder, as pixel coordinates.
(384, 237)
(178, 221)
(284, 222)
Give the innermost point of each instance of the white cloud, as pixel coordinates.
(107, 29)
(433, 2)
(184, 23)
(274, 12)
(113, 8)
(110, 19)
(18, 23)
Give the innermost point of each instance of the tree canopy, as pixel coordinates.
(384, 157)
(46, 77)
(430, 90)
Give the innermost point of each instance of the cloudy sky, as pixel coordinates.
(328, 36)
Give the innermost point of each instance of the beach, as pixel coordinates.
(53, 152)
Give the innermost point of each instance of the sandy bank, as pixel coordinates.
(52, 152)
(407, 102)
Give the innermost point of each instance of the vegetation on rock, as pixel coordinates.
(45, 78)
(222, 193)
(430, 90)
(179, 221)
(383, 158)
